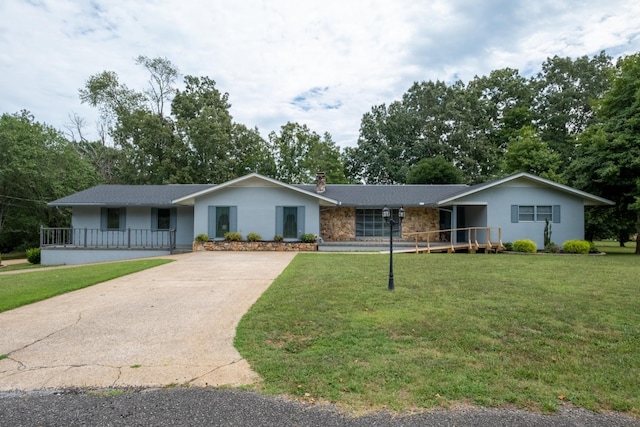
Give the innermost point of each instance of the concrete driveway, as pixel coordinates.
(172, 324)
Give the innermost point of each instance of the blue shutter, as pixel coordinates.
(123, 219)
(211, 222)
(556, 213)
(173, 218)
(233, 218)
(154, 219)
(280, 220)
(104, 219)
(300, 219)
(514, 213)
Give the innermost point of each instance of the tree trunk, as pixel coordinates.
(637, 234)
(622, 238)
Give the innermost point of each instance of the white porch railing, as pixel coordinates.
(131, 238)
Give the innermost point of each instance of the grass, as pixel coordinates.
(533, 332)
(20, 289)
(613, 248)
(21, 266)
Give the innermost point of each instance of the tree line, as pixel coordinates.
(575, 121)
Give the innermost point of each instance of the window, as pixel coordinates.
(222, 219)
(112, 218)
(290, 226)
(164, 219)
(290, 221)
(534, 213)
(369, 223)
(526, 213)
(543, 213)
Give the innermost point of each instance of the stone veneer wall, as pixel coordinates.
(420, 219)
(339, 224)
(255, 246)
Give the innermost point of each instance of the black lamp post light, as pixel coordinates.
(388, 218)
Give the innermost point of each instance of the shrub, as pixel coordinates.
(524, 245)
(552, 248)
(308, 238)
(232, 236)
(278, 238)
(576, 247)
(253, 237)
(508, 246)
(592, 249)
(202, 237)
(33, 255)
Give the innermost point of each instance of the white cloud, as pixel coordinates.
(321, 63)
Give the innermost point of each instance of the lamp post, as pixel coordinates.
(388, 218)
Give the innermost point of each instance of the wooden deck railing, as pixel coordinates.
(444, 239)
(130, 238)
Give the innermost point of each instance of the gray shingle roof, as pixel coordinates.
(391, 195)
(130, 195)
(347, 195)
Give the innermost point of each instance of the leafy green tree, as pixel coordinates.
(250, 152)
(381, 156)
(528, 153)
(566, 90)
(436, 170)
(300, 153)
(204, 123)
(37, 165)
(608, 157)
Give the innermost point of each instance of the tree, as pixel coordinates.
(566, 91)
(204, 124)
(528, 153)
(436, 170)
(608, 157)
(37, 165)
(382, 155)
(149, 150)
(300, 154)
(250, 152)
(162, 75)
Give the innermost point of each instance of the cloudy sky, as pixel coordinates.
(321, 63)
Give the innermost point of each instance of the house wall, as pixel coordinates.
(339, 224)
(520, 192)
(256, 209)
(418, 220)
(86, 256)
(137, 218)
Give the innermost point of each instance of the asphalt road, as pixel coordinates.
(216, 407)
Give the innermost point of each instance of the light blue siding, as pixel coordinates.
(256, 209)
(502, 211)
(138, 218)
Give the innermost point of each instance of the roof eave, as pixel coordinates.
(190, 199)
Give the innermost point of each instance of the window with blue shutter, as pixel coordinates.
(113, 219)
(222, 220)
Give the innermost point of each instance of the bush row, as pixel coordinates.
(568, 247)
(253, 237)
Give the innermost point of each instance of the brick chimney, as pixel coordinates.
(321, 182)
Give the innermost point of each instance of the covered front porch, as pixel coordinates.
(424, 229)
(89, 245)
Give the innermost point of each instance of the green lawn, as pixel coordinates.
(25, 288)
(488, 330)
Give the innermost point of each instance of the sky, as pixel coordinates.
(320, 63)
